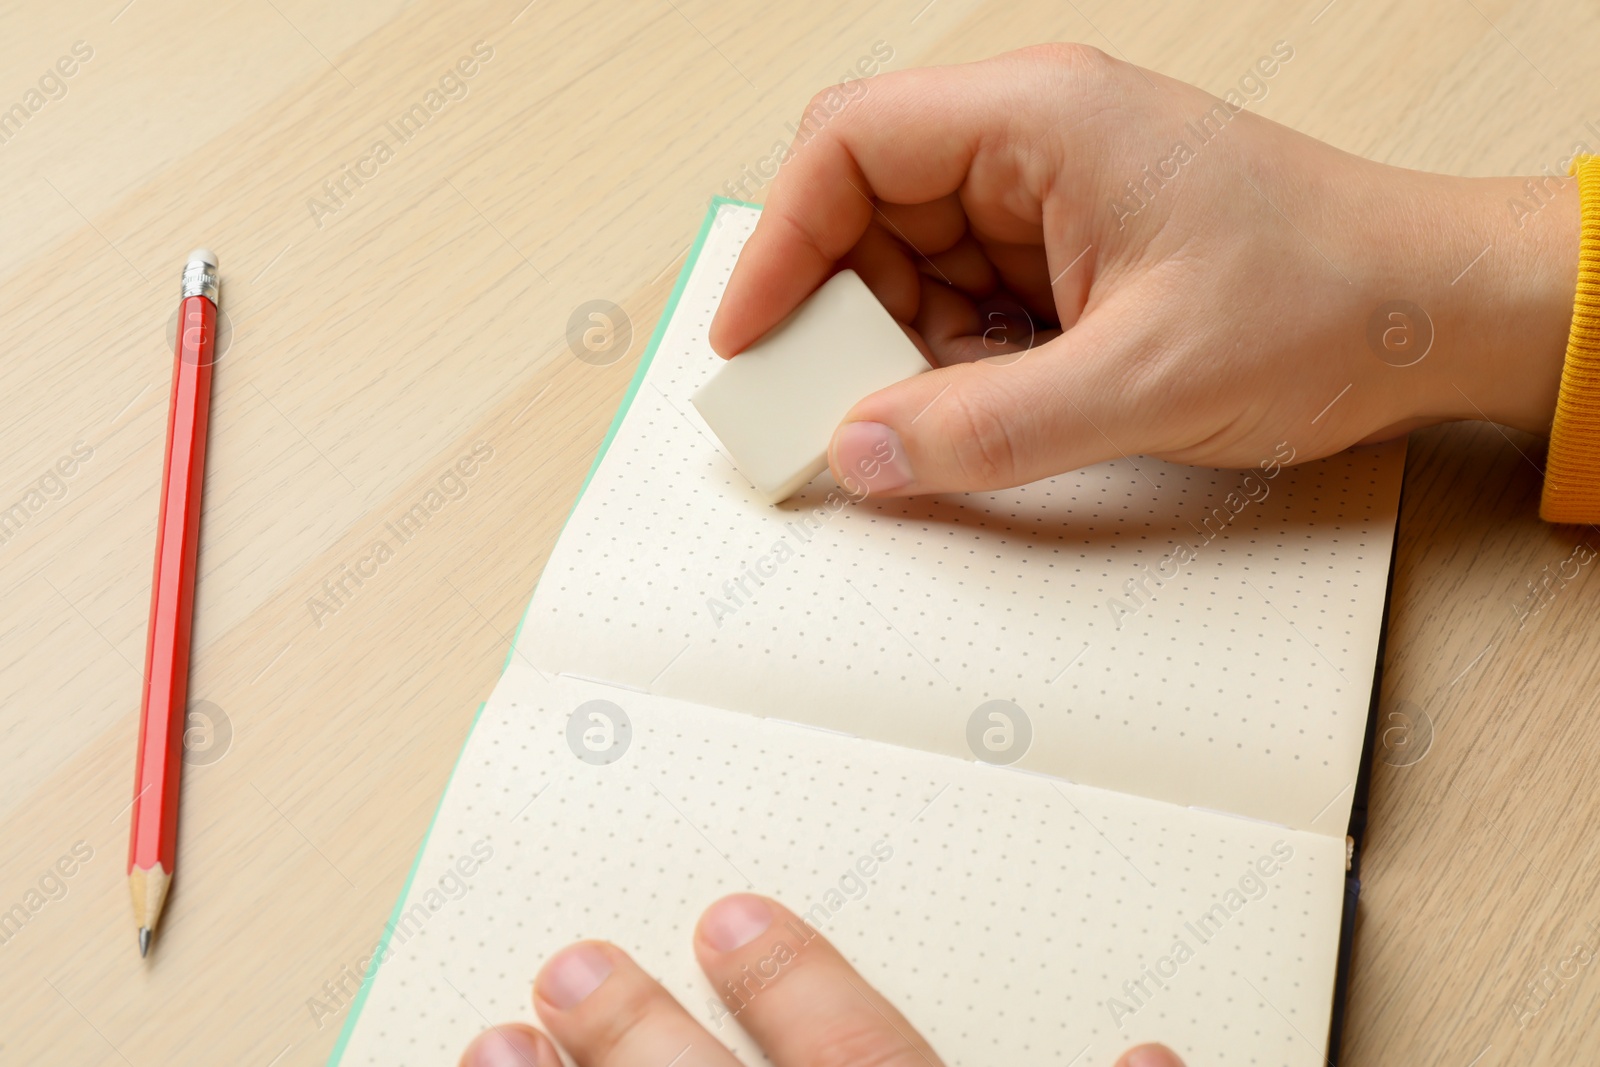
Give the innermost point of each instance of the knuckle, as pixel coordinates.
(826, 104)
(1071, 81)
(986, 452)
(629, 1008)
(863, 1044)
(1069, 55)
(818, 104)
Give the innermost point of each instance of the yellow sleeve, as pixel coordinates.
(1572, 468)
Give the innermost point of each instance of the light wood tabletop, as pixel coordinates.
(392, 312)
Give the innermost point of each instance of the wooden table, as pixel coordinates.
(390, 314)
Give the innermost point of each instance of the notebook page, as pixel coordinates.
(1013, 918)
(1233, 673)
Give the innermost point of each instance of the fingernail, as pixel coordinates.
(573, 974)
(506, 1046)
(871, 458)
(735, 921)
(1153, 1056)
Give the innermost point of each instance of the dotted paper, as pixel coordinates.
(1240, 682)
(1009, 920)
(791, 710)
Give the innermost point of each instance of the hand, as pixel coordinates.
(814, 1010)
(1215, 275)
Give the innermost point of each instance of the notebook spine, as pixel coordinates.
(1356, 834)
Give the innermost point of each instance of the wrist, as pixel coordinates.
(1499, 289)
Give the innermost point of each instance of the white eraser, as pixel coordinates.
(775, 406)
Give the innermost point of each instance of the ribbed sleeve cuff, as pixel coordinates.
(1572, 468)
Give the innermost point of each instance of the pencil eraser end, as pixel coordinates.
(774, 406)
(203, 255)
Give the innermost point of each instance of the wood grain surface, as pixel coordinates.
(384, 329)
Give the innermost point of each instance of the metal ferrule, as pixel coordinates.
(200, 279)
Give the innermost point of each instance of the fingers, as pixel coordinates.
(606, 1012)
(510, 1045)
(909, 138)
(946, 318)
(791, 990)
(779, 978)
(964, 266)
(1150, 1056)
(1024, 270)
(885, 265)
(930, 227)
(1001, 421)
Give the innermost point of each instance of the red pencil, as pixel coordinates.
(152, 848)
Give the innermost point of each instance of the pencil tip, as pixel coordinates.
(144, 941)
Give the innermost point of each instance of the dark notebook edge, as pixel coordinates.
(1358, 814)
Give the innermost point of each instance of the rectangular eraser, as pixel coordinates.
(774, 406)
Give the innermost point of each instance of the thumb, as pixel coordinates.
(1150, 1056)
(991, 424)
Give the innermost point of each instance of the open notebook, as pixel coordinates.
(1097, 737)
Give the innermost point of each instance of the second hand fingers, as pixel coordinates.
(606, 1012)
(792, 991)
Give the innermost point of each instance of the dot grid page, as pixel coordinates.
(1012, 917)
(1206, 637)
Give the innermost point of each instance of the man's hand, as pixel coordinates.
(809, 1009)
